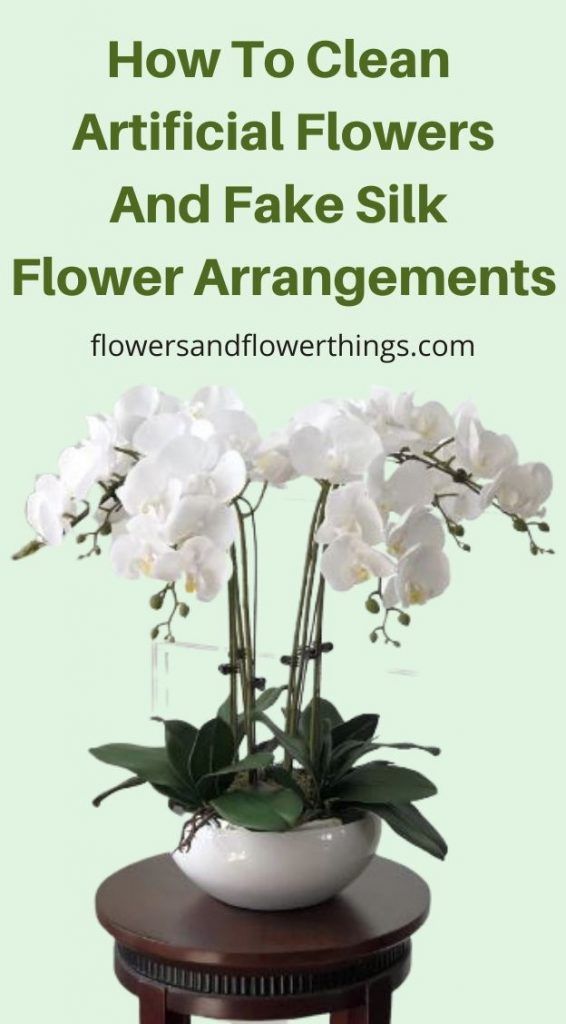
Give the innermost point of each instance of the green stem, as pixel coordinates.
(317, 683)
(249, 657)
(301, 632)
(233, 655)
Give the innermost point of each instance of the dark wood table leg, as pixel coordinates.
(375, 1010)
(153, 1007)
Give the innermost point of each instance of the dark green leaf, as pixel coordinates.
(126, 784)
(214, 748)
(345, 756)
(224, 711)
(269, 810)
(294, 745)
(247, 764)
(326, 711)
(149, 763)
(362, 727)
(189, 799)
(268, 698)
(263, 702)
(435, 751)
(179, 740)
(411, 825)
(381, 783)
(325, 750)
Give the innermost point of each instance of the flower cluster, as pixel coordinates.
(169, 471)
(402, 476)
(397, 479)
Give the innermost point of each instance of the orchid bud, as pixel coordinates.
(156, 601)
(372, 606)
(183, 610)
(154, 633)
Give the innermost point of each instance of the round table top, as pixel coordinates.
(151, 907)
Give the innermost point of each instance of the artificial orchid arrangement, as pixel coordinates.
(175, 487)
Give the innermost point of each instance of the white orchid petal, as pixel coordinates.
(154, 433)
(348, 561)
(229, 476)
(422, 574)
(418, 526)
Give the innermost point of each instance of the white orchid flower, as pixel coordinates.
(208, 402)
(137, 405)
(339, 452)
(227, 478)
(205, 567)
(201, 515)
(521, 490)
(375, 479)
(461, 502)
(272, 463)
(349, 510)
(154, 481)
(82, 465)
(418, 526)
(423, 573)
(149, 486)
(221, 412)
(349, 560)
(390, 415)
(319, 414)
(135, 550)
(154, 433)
(48, 509)
(432, 423)
(235, 430)
(411, 485)
(483, 452)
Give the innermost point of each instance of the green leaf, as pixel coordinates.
(129, 783)
(179, 741)
(189, 799)
(362, 727)
(149, 763)
(269, 810)
(294, 745)
(411, 825)
(325, 750)
(268, 698)
(214, 748)
(263, 702)
(435, 751)
(326, 711)
(382, 783)
(345, 756)
(250, 763)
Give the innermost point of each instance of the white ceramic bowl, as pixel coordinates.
(280, 870)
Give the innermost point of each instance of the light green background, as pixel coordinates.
(488, 680)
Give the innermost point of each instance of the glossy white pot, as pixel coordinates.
(280, 870)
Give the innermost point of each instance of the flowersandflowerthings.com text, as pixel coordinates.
(254, 346)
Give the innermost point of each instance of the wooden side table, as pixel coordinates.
(182, 952)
